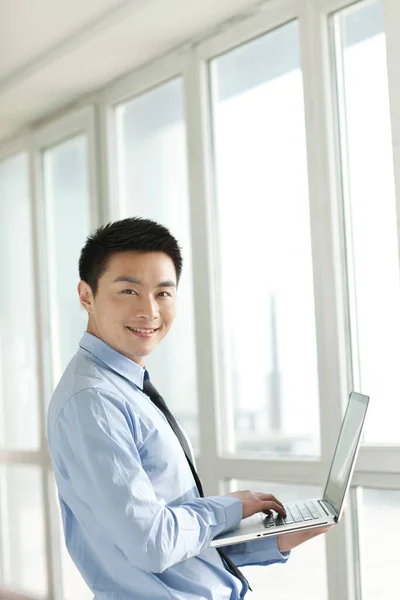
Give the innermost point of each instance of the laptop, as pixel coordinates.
(317, 512)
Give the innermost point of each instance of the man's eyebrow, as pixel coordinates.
(167, 283)
(129, 279)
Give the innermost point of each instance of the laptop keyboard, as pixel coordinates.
(295, 513)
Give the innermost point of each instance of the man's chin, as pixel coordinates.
(141, 352)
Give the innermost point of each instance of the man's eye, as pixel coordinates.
(129, 292)
(166, 294)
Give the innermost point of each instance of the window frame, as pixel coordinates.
(127, 88)
(40, 138)
(74, 123)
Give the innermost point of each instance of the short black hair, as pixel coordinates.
(128, 235)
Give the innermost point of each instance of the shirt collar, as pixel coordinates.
(113, 359)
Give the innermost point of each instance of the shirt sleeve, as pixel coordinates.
(256, 552)
(93, 447)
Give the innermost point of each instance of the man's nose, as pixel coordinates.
(147, 308)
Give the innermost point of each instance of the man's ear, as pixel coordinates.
(85, 296)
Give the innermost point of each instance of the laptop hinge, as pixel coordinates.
(329, 509)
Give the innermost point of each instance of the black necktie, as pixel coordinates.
(155, 397)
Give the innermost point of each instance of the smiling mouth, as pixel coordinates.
(142, 332)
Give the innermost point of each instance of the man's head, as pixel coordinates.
(129, 273)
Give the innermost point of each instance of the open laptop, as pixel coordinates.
(319, 512)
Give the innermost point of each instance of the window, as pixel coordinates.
(369, 214)
(264, 245)
(152, 182)
(379, 538)
(73, 585)
(278, 580)
(19, 425)
(23, 552)
(67, 225)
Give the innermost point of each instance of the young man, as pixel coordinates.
(135, 523)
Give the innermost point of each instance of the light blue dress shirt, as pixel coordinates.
(134, 523)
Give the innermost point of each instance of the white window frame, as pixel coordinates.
(331, 358)
(134, 84)
(80, 121)
(39, 458)
(377, 466)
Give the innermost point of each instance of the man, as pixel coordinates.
(134, 520)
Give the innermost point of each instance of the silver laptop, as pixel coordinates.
(318, 512)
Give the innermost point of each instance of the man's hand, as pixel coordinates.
(253, 503)
(288, 541)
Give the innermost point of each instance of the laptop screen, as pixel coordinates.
(346, 450)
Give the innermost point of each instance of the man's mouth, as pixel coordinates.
(142, 332)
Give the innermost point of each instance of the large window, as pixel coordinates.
(67, 224)
(370, 214)
(152, 183)
(379, 550)
(67, 205)
(22, 530)
(29, 529)
(266, 278)
(19, 423)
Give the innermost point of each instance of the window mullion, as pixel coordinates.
(328, 282)
(391, 10)
(36, 184)
(199, 163)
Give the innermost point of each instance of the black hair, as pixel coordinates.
(129, 235)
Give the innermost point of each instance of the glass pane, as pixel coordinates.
(67, 225)
(266, 279)
(152, 182)
(19, 423)
(379, 544)
(278, 580)
(370, 214)
(22, 530)
(74, 586)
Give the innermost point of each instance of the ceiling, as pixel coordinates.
(54, 51)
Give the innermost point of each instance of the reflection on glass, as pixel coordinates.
(67, 226)
(152, 182)
(22, 545)
(370, 214)
(266, 284)
(19, 420)
(379, 544)
(278, 580)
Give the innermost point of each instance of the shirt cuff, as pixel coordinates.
(279, 555)
(257, 552)
(233, 510)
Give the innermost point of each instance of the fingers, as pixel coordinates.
(271, 497)
(268, 505)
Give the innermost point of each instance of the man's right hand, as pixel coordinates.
(253, 503)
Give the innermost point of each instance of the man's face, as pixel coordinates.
(135, 304)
